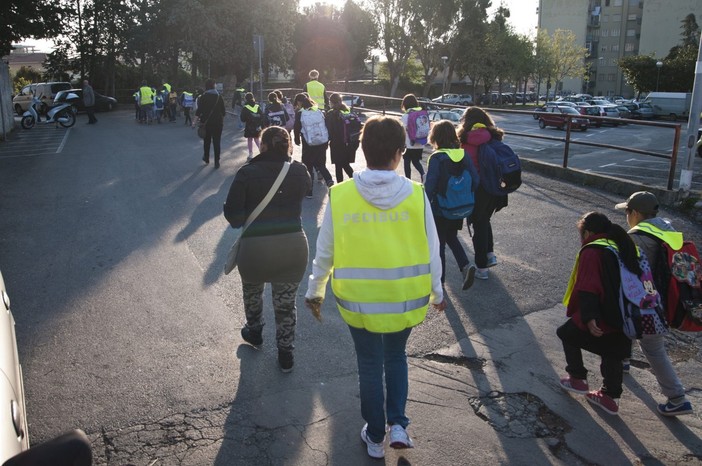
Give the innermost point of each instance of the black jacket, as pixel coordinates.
(210, 109)
(251, 184)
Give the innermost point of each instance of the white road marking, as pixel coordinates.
(63, 142)
(608, 165)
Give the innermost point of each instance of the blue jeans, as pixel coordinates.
(377, 353)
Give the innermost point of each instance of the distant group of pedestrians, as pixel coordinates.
(163, 103)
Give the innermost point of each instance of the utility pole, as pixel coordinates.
(693, 123)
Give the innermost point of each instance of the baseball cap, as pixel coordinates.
(641, 201)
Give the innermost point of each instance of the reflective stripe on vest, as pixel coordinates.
(673, 238)
(253, 109)
(316, 91)
(385, 286)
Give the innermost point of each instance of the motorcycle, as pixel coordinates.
(60, 114)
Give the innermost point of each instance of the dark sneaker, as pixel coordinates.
(671, 409)
(491, 259)
(330, 183)
(574, 385)
(468, 276)
(285, 360)
(309, 194)
(375, 450)
(604, 401)
(251, 336)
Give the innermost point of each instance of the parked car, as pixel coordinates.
(353, 100)
(438, 115)
(14, 437)
(641, 111)
(608, 111)
(588, 111)
(45, 91)
(453, 99)
(556, 116)
(545, 107)
(103, 103)
(624, 112)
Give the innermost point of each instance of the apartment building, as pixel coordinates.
(612, 29)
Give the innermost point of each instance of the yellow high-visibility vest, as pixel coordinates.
(381, 286)
(673, 238)
(316, 91)
(146, 95)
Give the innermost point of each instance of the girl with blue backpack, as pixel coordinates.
(449, 160)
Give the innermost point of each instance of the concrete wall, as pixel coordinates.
(7, 120)
(569, 15)
(660, 26)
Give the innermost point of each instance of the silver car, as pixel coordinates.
(14, 437)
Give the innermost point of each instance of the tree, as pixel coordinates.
(20, 19)
(394, 19)
(568, 58)
(544, 61)
(362, 35)
(467, 38)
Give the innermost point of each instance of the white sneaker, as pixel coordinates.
(375, 450)
(399, 437)
(481, 274)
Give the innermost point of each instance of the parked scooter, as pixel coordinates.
(61, 114)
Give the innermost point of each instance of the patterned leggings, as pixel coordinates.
(284, 295)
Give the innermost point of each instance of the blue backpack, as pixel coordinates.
(454, 194)
(500, 168)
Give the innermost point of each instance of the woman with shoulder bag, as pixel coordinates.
(274, 247)
(211, 112)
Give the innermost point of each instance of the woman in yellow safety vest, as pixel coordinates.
(378, 243)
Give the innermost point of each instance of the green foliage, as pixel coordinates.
(20, 19)
(19, 82)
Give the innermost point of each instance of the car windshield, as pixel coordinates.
(569, 110)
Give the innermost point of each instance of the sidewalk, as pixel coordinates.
(483, 377)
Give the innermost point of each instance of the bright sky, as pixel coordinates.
(522, 12)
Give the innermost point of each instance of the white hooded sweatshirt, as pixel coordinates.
(385, 189)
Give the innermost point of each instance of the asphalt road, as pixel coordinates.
(112, 244)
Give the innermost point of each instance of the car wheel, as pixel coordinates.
(536, 117)
(699, 151)
(542, 125)
(18, 109)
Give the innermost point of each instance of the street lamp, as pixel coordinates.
(443, 88)
(659, 65)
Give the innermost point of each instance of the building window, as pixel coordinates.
(601, 77)
(615, 48)
(604, 33)
(632, 17)
(611, 77)
(631, 32)
(617, 2)
(634, 3)
(603, 48)
(629, 47)
(615, 32)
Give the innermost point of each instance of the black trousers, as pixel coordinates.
(213, 135)
(611, 347)
(91, 114)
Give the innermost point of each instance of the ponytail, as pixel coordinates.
(598, 223)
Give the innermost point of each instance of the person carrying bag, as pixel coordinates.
(267, 202)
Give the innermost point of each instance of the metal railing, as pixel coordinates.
(390, 106)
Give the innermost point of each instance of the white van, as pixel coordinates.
(45, 91)
(670, 104)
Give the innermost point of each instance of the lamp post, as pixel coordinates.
(598, 84)
(659, 65)
(443, 88)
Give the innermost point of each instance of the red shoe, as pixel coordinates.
(604, 401)
(574, 385)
